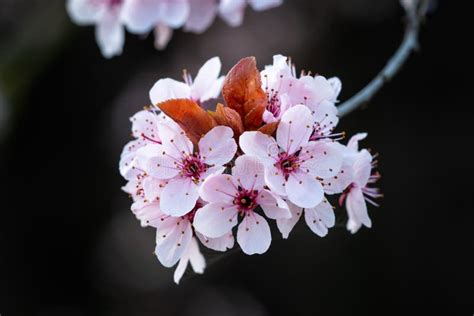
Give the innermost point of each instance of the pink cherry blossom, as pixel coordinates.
(281, 86)
(106, 16)
(354, 182)
(294, 165)
(184, 170)
(175, 236)
(232, 11)
(176, 241)
(141, 16)
(318, 219)
(285, 90)
(207, 85)
(240, 194)
(145, 130)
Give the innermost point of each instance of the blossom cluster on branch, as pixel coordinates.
(111, 17)
(268, 153)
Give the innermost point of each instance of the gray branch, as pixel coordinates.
(415, 13)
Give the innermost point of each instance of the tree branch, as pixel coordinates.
(415, 12)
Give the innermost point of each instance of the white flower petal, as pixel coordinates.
(218, 244)
(275, 180)
(219, 188)
(140, 16)
(215, 219)
(179, 196)
(320, 218)
(322, 159)
(304, 190)
(259, 145)
(295, 128)
(253, 234)
(273, 206)
(205, 78)
(249, 172)
(286, 225)
(166, 89)
(172, 239)
(218, 146)
(110, 35)
(357, 210)
(201, 15)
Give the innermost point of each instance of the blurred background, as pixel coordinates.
(70, 246)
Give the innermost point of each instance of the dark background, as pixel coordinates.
(70, 246)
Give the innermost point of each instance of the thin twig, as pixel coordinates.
(414, 15)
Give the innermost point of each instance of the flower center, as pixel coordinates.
(246, 199)
(193, 167)
(288, 163)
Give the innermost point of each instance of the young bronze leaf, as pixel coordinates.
(192, 118)
(228, 117)
(243, 92)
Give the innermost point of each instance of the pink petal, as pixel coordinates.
(218, 244)
(325, 117)
(160, 165)
(320, 218)
(232, 11)
(145, 126)
(179, 196)
(198, 263)
(275, 180)
(205, 78)
(357, 210)
(273, 206)
(165, 89)
(253, 234)
(126, 164)
(163, 34)
(353, 144)
(215, 219)
(214, 91)
(295, 128)
(202, 14)
(193, 255)
(304, 190)
(219, 188)
(285, 225)
(149, 214)
(153, 188)
(210, 172)
(249, 172)
(321, 90)
(174, 13)
(259, 145)
(172, 238)
(218, 146)
(260, 5)
(84, 12)
(362, 167)
(110, 35)
(322, 159)
(336, 85)
(341, 181)
(140, 16)
(175, 143)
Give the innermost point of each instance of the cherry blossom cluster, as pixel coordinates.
(268, 153)
(111, 17)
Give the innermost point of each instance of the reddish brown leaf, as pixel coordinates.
(228, 117)
(269, 128)
(242, 91)
(193, 119)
